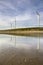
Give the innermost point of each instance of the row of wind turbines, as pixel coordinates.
(38, 45)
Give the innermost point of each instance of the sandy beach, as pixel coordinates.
(21, 57)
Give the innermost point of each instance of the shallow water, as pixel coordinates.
(21, 50)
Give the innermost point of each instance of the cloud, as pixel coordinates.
(23, 10)
(23, 17)
(6, 4)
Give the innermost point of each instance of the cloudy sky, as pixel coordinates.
(23, 10)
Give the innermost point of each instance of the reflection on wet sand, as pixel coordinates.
(21, 57)
(20, 51)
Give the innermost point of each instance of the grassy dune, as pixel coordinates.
(24, 31)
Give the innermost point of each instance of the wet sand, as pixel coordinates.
(17, 56)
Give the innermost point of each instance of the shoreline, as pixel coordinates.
(24, 31)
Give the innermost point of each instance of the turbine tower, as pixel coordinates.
(11, 28)
(38, 17)
(15, 23)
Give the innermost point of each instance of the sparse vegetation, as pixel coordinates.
(24, 31)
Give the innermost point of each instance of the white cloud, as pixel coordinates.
(23, 17)
(6, 5)
(8, 19)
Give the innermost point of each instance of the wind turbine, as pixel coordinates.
(11, 25)
(38, 17)
(38, 46)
